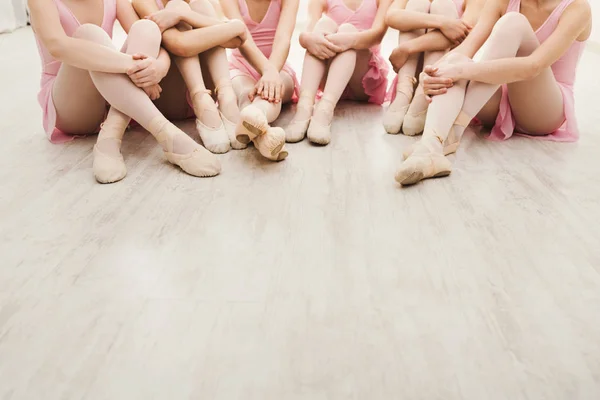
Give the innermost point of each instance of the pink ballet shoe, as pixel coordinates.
(215, 140)
(296, 129)
(424, 163)
(319, 132)
(414, 124)
(253, 123)
(200, 162)
(393, 119)
(108, 168)
(272, 144)
(230, 127)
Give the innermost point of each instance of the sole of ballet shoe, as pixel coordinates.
(107, 169)
(253, 123)
(418, 176)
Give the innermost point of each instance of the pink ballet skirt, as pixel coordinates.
(375, 80)
(564, 70)
(50, 67)
(263, 34)
(391, 94)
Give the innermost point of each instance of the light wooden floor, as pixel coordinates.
(315, 278)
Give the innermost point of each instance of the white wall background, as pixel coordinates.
(596, 17)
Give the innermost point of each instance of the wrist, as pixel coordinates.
(439, 21)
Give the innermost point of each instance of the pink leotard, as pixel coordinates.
(374, 81)
(391, 95)
(50, 66)
(564, 71)
(263, 34)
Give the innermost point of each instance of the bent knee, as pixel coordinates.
(325, 24)
(456, 58)
(147, 30)
(177, 5)
(347, 28)
(422, 6)
(444, 7)
(204, 7)
(511, 21)
(93, 33)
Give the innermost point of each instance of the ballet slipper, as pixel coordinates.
(230, 127)
(414, 123)
(253, 123)
(216, 140)
(200, 162)
(451, 142)
(393, 119)
(272, 144)
(426, 162)
(296, 129)
(319, 132)
(108, 168)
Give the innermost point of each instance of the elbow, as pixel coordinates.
(534, 68)
(392, 19)
(179, 48)
(56, 48)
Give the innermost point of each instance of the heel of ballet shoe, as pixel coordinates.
(272, 144)
(215, 140)
(393, 120)
(108, 168)
(230, 128)
(253, 123)
(414, 124)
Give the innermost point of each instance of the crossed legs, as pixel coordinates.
(449, 114)
(80, 99)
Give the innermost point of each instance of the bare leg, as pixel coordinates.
(448, 114)
(340, 72)
(414, 121)
(394, 115)
(313, 72)
(132, 101)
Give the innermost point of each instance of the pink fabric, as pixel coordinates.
(564, 70)
(50, 66)
(375, 80)
(263, 34)
(391, 95)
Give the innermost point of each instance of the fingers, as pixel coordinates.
(252, 93)
(436, 80)
(430, 70)
(435, 92)
(278, 91)
(332, 47)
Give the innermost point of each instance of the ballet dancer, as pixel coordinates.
(342, 46)
(428, 29)
(82, 72)
(523, 82)
(196, 38)
(261, 77)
